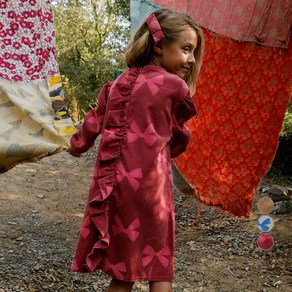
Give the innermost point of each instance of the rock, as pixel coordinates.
(11, 223)
(48, 161)
(277, 283)
(278, 193)
(37, 267)
(283, 207)
(264, 189)
(289, 192)
(277, 190)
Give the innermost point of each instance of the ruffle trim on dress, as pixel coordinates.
(104, 181)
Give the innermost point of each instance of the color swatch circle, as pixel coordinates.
(265, 241)
(265, 205)
(265, 223)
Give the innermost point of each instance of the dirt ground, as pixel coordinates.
(41, 208)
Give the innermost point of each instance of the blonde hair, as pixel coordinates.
(140, 50)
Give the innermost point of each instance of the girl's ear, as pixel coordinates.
(158, 48)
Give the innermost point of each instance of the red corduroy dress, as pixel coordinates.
(128, 226)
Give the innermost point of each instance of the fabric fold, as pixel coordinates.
(33, 115)
(103, 181)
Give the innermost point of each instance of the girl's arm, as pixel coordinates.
(184, 110)
(73, 152)
(91, 127)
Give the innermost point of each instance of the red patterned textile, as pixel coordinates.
(27, 49)
(267, 22)
(242, 95)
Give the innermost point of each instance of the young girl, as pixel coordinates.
(128, 227)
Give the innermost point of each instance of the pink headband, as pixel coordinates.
(155, 28)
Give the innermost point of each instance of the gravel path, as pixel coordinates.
(41, 207)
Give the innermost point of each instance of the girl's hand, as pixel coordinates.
(73, 152)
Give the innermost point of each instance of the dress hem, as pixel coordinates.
(139, 279)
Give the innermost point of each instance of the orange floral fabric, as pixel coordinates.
(242, 95)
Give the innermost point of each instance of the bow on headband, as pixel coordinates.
(155, 28)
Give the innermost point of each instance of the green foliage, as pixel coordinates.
(282, 164)
(287, 124)
(91, 39)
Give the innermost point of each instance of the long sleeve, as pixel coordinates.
(184, 110)
(92, 125)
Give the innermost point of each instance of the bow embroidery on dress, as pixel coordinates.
(151, 83)
(132, 176)
(130, 231)
(117, 269)
(148, 135)
(162, 255)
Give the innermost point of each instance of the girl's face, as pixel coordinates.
(178, 57)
